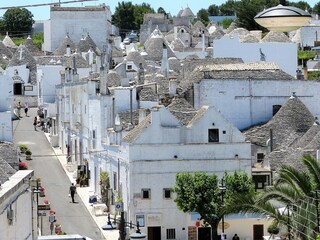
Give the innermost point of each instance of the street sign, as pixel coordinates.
(52, 218)
(42, 213)
(118, 206)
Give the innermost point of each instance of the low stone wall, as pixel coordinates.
(32, 100)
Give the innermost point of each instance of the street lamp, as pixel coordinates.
(222, 188)
(122, 228)
(109, 225)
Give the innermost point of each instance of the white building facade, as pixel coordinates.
(6, 107)
(261, 51)
(16, 213)
(77, 22)
(160, 147)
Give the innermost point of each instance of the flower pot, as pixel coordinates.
(57, 229)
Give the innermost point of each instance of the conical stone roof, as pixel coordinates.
(182, 110)
(154, 46)
(7, 41)
(308, 137)
(187, 13)
(87, 43)
(62, 49)
(290, 123)
(33, 49)
(79, 60)
(275, 37)
(136, 58)
(23, 57)
(5, 51)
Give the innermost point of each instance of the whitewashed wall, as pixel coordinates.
(6, 86)
(161, 151)
(248, 102)
(283, 54)
(16, 193)
(78, 23)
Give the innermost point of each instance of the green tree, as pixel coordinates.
(302, 5)
(161, 10)
(203, 16)
(213, 10)
(38, 39)
(139, 11)
(296, 188)
(226, 23)
(246, 10)
(18, 21)
(316, 8)
(200, 193)
(123, 17)
(227, 8)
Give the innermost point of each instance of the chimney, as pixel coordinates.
(203, 43)
(68, 74)
(173, 87)
(142, 114)
(68, 51)
(63, 76)
(164, 62)
(90, 52)
(74, 65)
(140, 74)
(175, 36)
(103, 81)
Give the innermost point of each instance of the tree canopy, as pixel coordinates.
(203, 16)
(297, 190)
(17, 21)
(200, 192)
(129, 17)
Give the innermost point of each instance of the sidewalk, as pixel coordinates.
(83, 193)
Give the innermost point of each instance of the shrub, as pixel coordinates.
(23, 148)
(273, 228)
(23, 166)
(28, 152)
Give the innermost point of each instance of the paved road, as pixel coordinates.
(74, 217)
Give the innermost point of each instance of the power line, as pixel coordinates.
(46, 4)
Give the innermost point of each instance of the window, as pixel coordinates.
(260, 157)
(224, 132)
(129, 67)
(167, 193)
(146, 193)
(171, 233)
(213, 135)
(275, 109)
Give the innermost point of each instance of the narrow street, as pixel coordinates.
(73, 217)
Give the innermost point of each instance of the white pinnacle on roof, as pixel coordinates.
(7, 41)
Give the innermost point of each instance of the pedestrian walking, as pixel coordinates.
(35, 121)
(72, 191)
(19, 109)
(26, 108)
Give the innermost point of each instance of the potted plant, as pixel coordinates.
(42, 193)
(28, 154)
(23, 148)
(23, 166)
(57, 228)
(273, 228)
